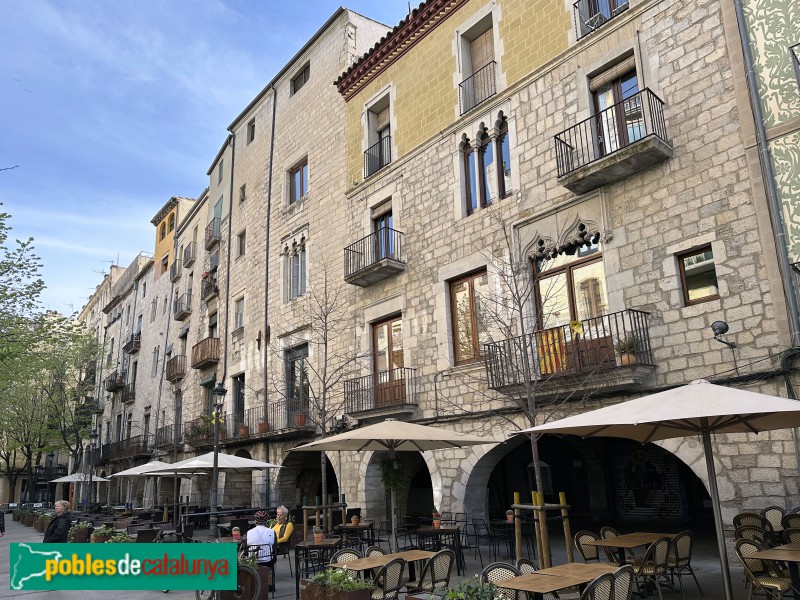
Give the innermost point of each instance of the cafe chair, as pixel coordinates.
(481, 532)
(405, 539)
(791, 535)
(755, 520)
(623, 583)
(653, 566)
(146, 536)
(774, 514)
(374, 551)
(526, 566)
(790, 521)
(609, 532)
(389, 580)
(753, 533)
(499, 571)
(680, 559)
(436, 573)
(588, 552)
(600, 588)
(761, 575)
(346, 555)
(265, 558)
(471, 541)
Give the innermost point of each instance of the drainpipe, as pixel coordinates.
(773, 202)
(266, 279)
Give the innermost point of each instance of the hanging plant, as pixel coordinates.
(393, 474)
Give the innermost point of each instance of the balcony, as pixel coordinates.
(377, 156)
(129, 393)
(208, 287)
(282, 419)
(477, 88)
(212, 232)
(590, 15)
(189, 253)
(176, 368)
(134, 344)
(625, 138)
(115, 381)
(167, 436)
(132, 447)
(381, 394)
(175, 270)
(610, 352)
(378, 256)
(199, 432)
(205, 353)
(182, 307)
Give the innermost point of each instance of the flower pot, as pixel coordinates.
(311, 591)
(299, 419)
(354, 520)
(510, 518)
(244, 431)
(263, 427)
(81, 536)
(96, 538)
(437, 523)
(627, 358)
(319, 537)
(27, 520)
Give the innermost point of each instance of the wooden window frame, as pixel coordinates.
(470, 152)
(476, 349)
(294, 197)
(238, 315)
(251, 130)
(241, 243)
(220, 171)
(302, 77)
(682, 274)
(567, 269)
(374, 328)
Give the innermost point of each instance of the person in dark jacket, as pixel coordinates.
(58, 529)
(2, 523)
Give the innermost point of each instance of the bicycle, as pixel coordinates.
(248, 585)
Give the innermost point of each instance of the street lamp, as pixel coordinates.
(219, 399)
(92, 445)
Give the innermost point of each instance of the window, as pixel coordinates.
(164, 309)
(487, 166)
(165, 264)
(477, 65)
(469, 327)
(388, 362)
(298, 182)
(241, 243)
(384, 246)
(213, 330)
(618, 107)
(297, 378)
(379, 136)
(153, 309)
(301, 78)
(238, 398)
(139, 324)
(295, 266)
(154, 368)
(251, 130)
(110, 356)
(698, 276)
(238, 314)
(243, 193)
(163, 230)
(172, 222)
(220, 171)
(144, 289)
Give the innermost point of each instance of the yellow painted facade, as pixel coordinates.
(165, 245)
(426, 97)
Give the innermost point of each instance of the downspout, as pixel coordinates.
(773, 202)
(266, 280)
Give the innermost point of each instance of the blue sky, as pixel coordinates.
(111, 107)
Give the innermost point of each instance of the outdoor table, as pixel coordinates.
(303, 551)
(627, 541)
(789, 553)
(348, 529)
(437, 542)
(582, 569)
(538, 584)
(374, 562)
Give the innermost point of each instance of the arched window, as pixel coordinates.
(487, 165)
(172, 222)
(163, 230)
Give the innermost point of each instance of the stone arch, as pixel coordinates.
(373, 497)
(300, 479)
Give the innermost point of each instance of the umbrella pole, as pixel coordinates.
(712, 484)
(393, 521)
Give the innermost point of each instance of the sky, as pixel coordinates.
(110, 108)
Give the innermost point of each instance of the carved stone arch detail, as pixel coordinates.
(580, 232)
(465, 142)
(539, 247)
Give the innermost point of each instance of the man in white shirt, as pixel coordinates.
(261, 541)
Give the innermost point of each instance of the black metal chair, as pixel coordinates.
(499, 572)
(265, 558)
(405, 539)
(471, 541)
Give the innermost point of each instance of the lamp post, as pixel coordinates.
(219, 399)
(92, 445)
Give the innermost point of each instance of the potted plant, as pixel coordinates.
(471, 589)
(120, 538)
(319, 535)
(335, 584)
(354, 519)
(299, 419)
(510, 516)
(627, 348)
(79, 533)
(263, 426)
(16, 515)
(28, 517)
(437, 519)
(102, 534)
(244, 431)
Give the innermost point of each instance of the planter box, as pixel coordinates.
(99, 539)
(311, 591)
(27, 520)
(81, 536)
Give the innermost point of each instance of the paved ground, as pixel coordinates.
(705, 562)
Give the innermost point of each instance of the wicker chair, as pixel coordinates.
(389, 580)
(774, 514)
(608, 533)
(755, 520)
(653, 565)
(345, 555)
(436, 573)
(499, 571)
(600, 588)
(753, 533)
(790, 521)
(623, 583)
(763, 575)
(526, 566)
(680, 558)
(588, 553)
(791, 535)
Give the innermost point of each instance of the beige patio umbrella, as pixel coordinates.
(204, 462)
(395, 436)
(700, 408)
(80, 478)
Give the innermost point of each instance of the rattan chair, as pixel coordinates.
(790, 521)
(623, 583)
(588, 552)
(753, 533)
(763, 575)
(653, 565)
(346, 555)
(389, 580)
(436, 573)
(499, 572)
(600, 588)
(680, 559)
(774, 514)
(526, 566)
(755, 520)
(609, 532)
(791, 535)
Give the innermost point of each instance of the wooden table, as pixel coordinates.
(557, 578)
(375, 562)
(348, 530)
(303, 551)
(789, 553)
(628, 541)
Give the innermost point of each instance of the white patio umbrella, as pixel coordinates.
(395, 436)
(700, 408)
(79, 478)
(205, 462)
(141, 469)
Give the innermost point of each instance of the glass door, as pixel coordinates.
(387, 354)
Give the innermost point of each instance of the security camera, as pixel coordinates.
(719, 328)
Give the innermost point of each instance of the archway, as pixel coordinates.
(414, 502)
(300, 480)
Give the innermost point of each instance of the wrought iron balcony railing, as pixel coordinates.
(592, 345)
(377, 156)
(205, 353)
(212, 232)
(590, 15)
(199, 432)
(386, 389)
(208, 287)
(168, 435)
(134, 344)
(189, 253)
(375, 257)
(176, 368)
(182, 307)
(131, 447)
(609, 131)
(129, 393)
(282, 418)
(115, 381)
(477, 88)
(175, 270)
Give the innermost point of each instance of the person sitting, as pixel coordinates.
(260, 542)
(283, 528)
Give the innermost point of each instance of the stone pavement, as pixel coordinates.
(705, 563)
